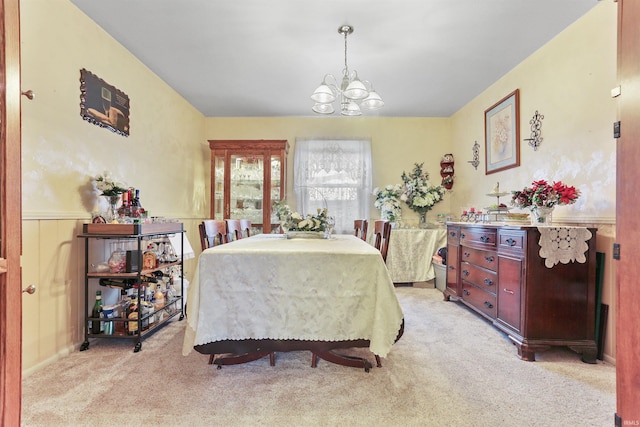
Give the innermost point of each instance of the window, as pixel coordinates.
(335, 174)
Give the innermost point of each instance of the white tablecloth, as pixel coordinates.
(411, 251)
(270, 287)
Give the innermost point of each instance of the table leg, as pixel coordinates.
(236, 359)
(340, 359)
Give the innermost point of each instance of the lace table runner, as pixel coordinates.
(563, 244)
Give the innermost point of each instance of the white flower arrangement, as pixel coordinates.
(107, 185)
(387, 201)
(294, 221)
(418, 193)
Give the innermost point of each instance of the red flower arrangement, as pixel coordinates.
(543, 194)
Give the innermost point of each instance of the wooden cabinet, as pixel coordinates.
(497, 271)
(246, 178)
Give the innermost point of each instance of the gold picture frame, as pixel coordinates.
(502, 134)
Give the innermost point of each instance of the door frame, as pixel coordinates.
(10, 216)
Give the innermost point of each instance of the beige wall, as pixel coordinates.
(396, 143)
(568, 81)
(166, 156)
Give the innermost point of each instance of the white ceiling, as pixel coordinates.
(426, 58)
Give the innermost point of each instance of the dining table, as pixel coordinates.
(411, 251)
(269, 293)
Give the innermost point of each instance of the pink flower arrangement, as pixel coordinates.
(543, 194)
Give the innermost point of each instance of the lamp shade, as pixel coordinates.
(356, 90)
(323, 94)
(352, 109)
(372, 102)
(323, 108)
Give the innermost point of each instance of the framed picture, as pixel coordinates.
(102, 104)
(502, 134)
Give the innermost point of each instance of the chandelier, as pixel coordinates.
(354, 94)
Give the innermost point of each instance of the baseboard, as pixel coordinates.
(51, 360)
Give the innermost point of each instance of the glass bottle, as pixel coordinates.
(123, 306)
(132, 315)
(96, 312)
(123, 210)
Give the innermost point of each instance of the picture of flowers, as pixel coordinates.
(502, 134)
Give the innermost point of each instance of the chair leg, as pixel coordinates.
(314, 360)
(378, 363)
(211, 357)
(272, 359)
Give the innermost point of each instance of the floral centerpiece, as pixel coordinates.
(294, 222)
(111, 189)
(541, 198)
(418, 193)
(107, 185)
(387, 201)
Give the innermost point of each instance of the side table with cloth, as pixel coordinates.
(270, 293)
(410, 253)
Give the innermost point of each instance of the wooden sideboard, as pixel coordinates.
(498, 272)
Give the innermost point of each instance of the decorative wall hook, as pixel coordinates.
(476, 155)
(536, 131)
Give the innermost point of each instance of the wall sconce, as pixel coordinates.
(536, 130)
(476, 155)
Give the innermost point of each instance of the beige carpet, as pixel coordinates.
(451, 368)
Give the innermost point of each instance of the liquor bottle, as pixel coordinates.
(121, 284)
(96, 325)
(135, 210)
(132, 315)
(123, 307)
(123, 210)
(138, 204)
(158, 298)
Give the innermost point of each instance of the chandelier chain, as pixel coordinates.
(346, 68)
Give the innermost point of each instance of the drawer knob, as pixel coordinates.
(452, 233)
(466, 292)
(451, 267)
(489, 258)
(462, 235)
(484, 239)
(465, 272)
(509, 291)
(510, 242)
(488, 304)
(467, 254)
(488, 282)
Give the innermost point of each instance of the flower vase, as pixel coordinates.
(112, 212)
(424, 223)
(541, 215)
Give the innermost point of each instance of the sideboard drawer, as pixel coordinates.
(480, 277)
(482, 300)
(479, 257)
(478, 237)
(513, 241)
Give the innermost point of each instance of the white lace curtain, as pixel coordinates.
(335, 174)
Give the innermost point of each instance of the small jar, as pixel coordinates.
(117, 261)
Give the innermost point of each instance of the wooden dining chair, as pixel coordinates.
(213, 232)
(245, 227)
(234, 229)
(360, 228)
(382, 232)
